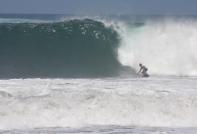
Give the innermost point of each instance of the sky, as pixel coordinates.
(136, 7)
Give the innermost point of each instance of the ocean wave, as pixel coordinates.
(79, 47)
(59, 49)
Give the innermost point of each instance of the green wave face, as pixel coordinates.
(75, 48)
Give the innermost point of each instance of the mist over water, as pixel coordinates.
(166, 46)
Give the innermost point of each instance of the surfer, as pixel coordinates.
(143, 70)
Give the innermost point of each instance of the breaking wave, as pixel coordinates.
(166, 46)
(97, 47)
(58, 49)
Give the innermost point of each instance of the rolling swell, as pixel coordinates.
(74, 48)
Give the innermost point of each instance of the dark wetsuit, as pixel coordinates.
(143, 71)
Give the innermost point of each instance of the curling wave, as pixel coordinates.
(95, 47)
(58, 49)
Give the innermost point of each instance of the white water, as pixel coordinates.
(166, 47)
(31, 103)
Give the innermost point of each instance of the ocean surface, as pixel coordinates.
(77, 74)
